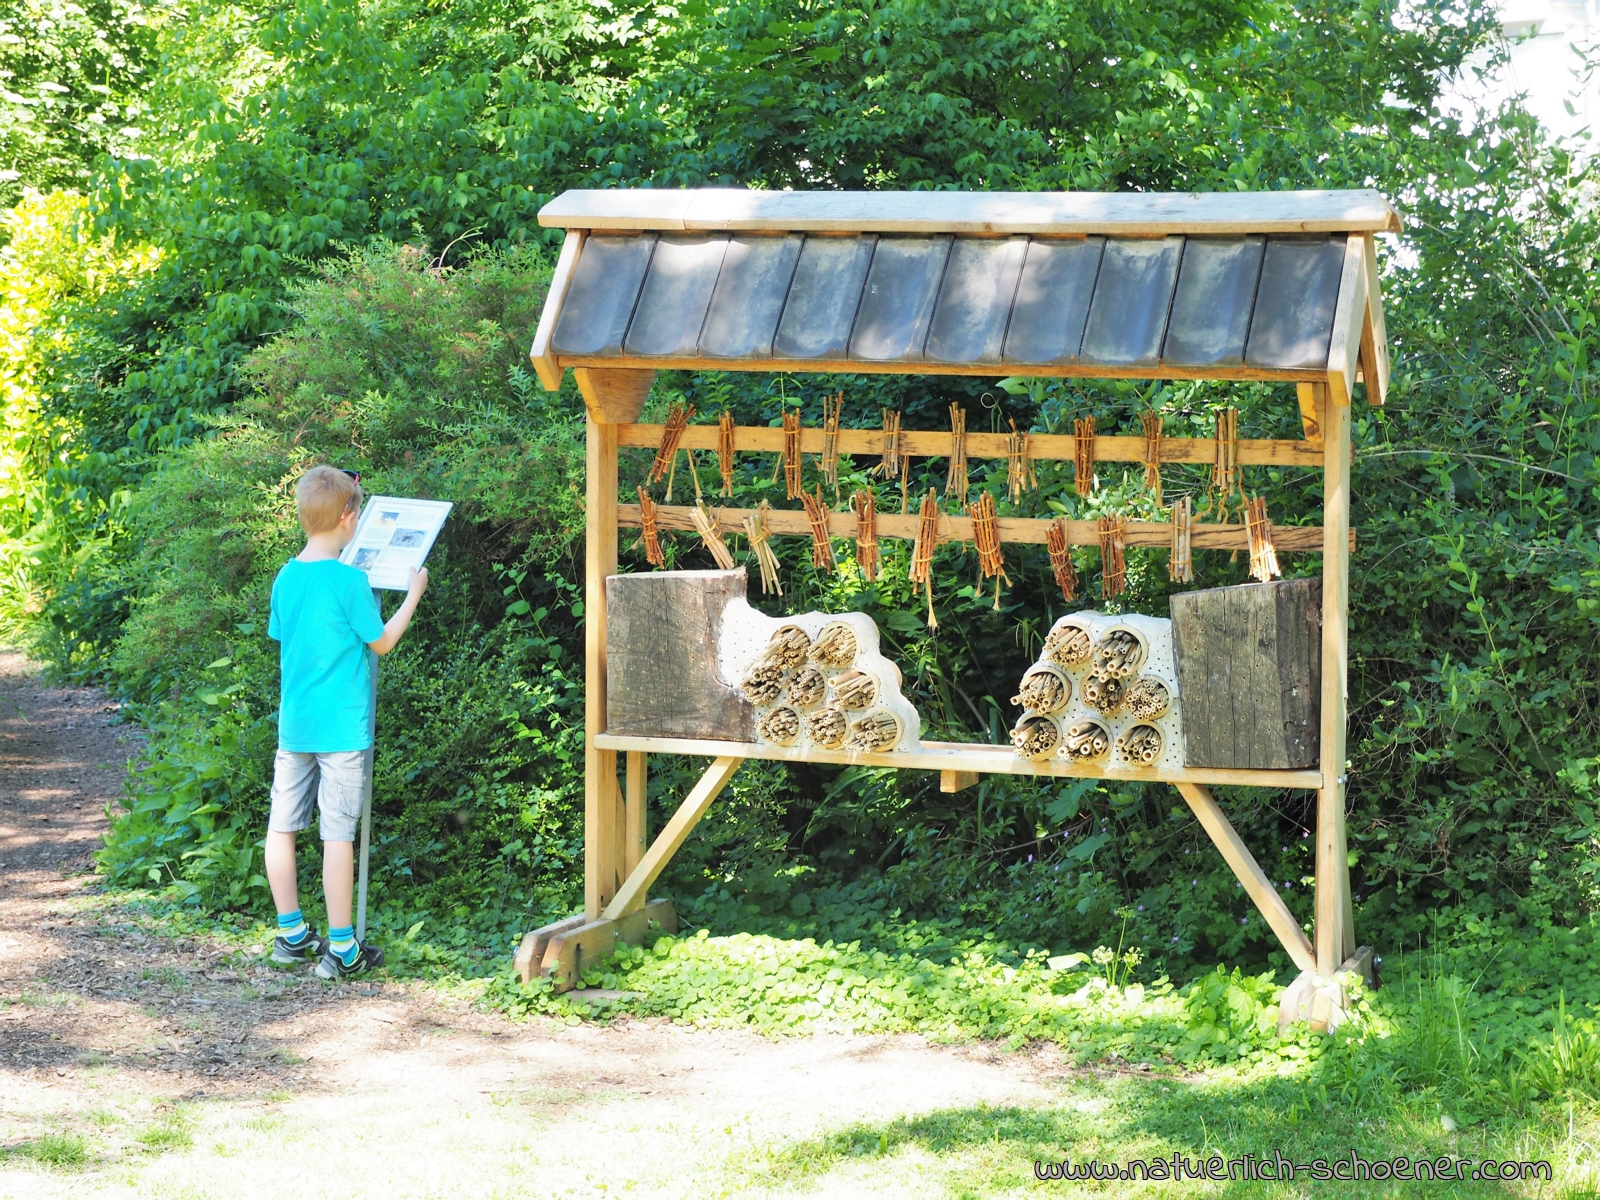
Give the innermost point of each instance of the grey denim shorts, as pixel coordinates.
(336, 782)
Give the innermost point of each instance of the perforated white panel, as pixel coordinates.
(746, 632)
(1155, 633)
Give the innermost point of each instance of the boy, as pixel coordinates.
(325, 618)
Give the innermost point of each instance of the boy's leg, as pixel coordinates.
(339, 801)
(293, 781)
(338, 881)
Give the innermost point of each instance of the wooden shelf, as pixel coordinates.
(956, 756)
(933, 443)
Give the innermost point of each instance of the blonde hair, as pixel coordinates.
(323, 495)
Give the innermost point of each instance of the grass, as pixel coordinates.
(594, 1144)
(1502, 1062)
(50, 1150)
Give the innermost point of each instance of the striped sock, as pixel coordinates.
(292, 927)
(342, 941)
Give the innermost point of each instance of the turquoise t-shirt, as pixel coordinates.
(324, 614)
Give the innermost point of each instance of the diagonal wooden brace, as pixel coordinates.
(1256, 884)
(631, 894)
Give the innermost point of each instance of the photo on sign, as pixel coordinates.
(366, 556)
(409, 538)
(387, 520)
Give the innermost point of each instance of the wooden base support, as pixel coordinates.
(1323, 1003)
(561, 951)
(1256, 884)
(631, 894)
(957, 781)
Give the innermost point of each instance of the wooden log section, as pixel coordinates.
(1025, 530)
(1043, 447)
(1250, 673)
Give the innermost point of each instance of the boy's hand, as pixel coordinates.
(418, 583)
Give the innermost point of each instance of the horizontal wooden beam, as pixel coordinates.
(1024, 530)
(957, 756)
(1134, 214)
(1042, 447)
(854, 366)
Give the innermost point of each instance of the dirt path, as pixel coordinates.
(137, 1064)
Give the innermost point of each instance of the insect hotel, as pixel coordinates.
(1243, 686)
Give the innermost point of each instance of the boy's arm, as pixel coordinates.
(394, 629)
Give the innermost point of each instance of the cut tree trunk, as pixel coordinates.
(1250, 674)
(661, 657)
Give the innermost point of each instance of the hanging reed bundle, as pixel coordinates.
(821, 546)
(891, 465)
(755, 530)
(649, 535)
(1113, 568)
(1083, 455)
(986, 533)
(1180, 565)
(1061, 559)
(709, 525)
(725, 441)
(922, 550)
(1263, 555)
(956, 485)
(791, 454)
(1152, 454)
(1019, 463)
(678, 416)
(832, 407)
(1225, 470)
(865, 505)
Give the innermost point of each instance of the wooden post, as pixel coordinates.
(1334, 935)
(636, 817)
(602, 801)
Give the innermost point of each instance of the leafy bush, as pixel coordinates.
(413, 376)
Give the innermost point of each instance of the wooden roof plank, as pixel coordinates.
(1124, 213)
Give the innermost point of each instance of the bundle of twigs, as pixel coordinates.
(1180, 566)
(1225, 470)
(725, 435)
(821, 546)
(1083, 455)
(986, 533)
(865, 505)
(1113, 568)
(922, 550)
(791, 453)
(1061, 559)
(891, 464)
(648, 532)
(832, 406)
(1263, 555)
(956, 484)
(709, 525)
(1152, 454)
(755, 530)
(1019, 463)
(678, 416)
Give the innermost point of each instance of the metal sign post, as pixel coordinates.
(366, 804)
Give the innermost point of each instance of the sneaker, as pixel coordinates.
(309, 947)
(333, 967)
